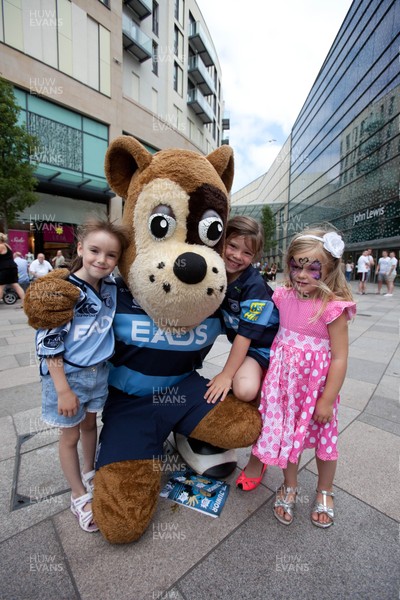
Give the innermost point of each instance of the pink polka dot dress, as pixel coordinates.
(299, 365)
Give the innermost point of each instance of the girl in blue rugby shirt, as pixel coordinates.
(74, 358)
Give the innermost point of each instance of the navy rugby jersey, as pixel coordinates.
(248, 310)
(147, 358)
(88, 339)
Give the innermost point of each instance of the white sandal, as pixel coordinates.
(87, 480)
(85, 517)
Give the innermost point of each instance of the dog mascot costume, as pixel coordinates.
(166, 321)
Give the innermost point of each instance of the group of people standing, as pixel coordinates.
(17, 271)
(386, 271)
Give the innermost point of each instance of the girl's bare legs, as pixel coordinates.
(88, 429)
(326, 474)
(69, 459)
(247, 380)
(19, 290)
(290, 480)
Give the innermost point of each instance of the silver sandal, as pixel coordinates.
(323, 508)
(287, 506)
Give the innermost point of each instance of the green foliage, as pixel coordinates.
(268, 223)
(17, 180)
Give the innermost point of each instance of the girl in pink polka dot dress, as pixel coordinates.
(300, 393)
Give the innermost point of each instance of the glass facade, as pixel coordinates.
(345, 158)
(71, 147)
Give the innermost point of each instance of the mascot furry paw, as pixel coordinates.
(173, 282)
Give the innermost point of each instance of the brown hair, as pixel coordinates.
(334, 286)
(94, 224)
(248, 228)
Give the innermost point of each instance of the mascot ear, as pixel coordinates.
(222, 161)
(124, 157)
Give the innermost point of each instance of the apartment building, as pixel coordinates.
(86, 71)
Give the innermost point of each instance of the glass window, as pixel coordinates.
(155, 18)
(155, 58)
(178, 79)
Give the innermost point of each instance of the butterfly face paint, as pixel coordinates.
(304, 272)
(313, 268)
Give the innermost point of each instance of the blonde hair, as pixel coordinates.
(94, 224)
(3, 238)
(248, 228)
(334, 286)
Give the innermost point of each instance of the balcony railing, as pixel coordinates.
(142, 8)
(198, 72)
(200, 43)
(200, 105)
(135, 41)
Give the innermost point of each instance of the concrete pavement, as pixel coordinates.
(184, 555)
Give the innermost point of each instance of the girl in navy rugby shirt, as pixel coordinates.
(250, 316)
(74, 360)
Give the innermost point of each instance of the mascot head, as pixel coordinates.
(176, 208)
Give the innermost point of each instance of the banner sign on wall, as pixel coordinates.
(18, 240)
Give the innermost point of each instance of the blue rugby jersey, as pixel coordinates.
(88, 339)
(148, 360)
(248, 310)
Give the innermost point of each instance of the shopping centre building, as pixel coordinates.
(86, 71)
(341, 162)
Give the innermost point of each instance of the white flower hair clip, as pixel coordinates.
(331, 241)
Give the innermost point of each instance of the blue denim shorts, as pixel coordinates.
(91, 387)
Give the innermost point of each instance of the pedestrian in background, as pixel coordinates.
(363, 267)
(58, 260)
(382, 270)
(40, 267)
(23, 270)
(8, 269)
(349, 268)
(391, 276)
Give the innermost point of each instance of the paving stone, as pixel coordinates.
(33, 565)
(40, 473)
(264, 559)
(31, 513)
(365, 370)
(19, 398)
(19, 376)
(355, 393)
(368, 466)
(386, 408)
(8, 438)
(8, 362)
(384, 424)
(165, 552)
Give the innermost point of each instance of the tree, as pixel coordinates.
(268, 223)
(17, 180)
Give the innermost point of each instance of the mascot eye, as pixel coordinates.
(210, 230)
(161, 226)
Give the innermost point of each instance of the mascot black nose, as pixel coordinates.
(190, 267)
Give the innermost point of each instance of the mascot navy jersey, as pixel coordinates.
(249, 311)
(148, 358)
(88, 339)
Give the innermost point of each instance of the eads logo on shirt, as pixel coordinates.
(254, 311)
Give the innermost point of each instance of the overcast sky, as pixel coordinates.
(270, 54)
